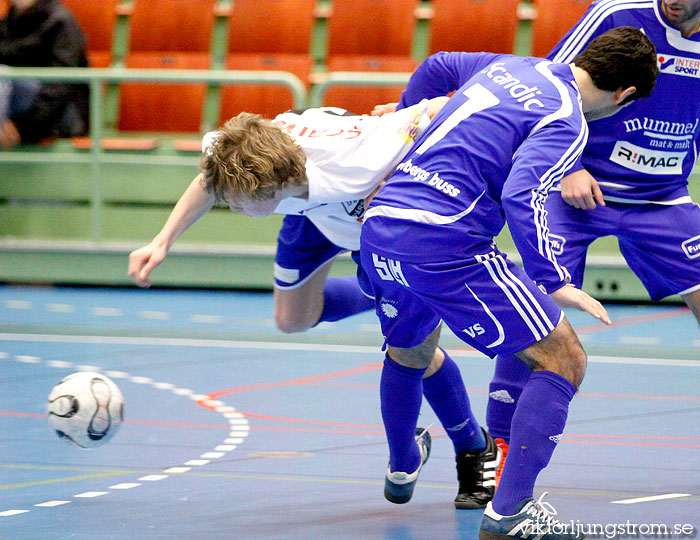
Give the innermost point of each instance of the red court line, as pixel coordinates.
(669, 314)
(436, 432)
(311, 422)
(608, 435)
(292, 382)
(650, 397)
(627, 443)
(329, 431)
(22, 414)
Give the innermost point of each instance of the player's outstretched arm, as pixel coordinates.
(434, 106)
(570, 297)
(385, 108)
(193, 204)
(581, 190)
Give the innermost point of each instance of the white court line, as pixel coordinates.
(18, 304)
(60, 308)
(156, 315)
(13, 512)
(153, 477)
(271, 345)
(197, 462)
(652, 498)
(177, 470)
(51, 504)
(107, 312)
(91, 494)
(28, 359)
(125, 485)
(220, 407)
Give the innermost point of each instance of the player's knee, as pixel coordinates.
(575, 367)
(560, 352)
(291, 323)
(411, 358)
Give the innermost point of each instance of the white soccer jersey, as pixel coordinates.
(347, 158)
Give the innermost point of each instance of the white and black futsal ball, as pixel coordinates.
(86, 409)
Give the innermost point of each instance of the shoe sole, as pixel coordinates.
(466, 505)
(488, 535)
(402, 493)
(399, 494)
(471, 505)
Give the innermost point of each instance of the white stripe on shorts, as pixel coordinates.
(548, 326)
(526, 313)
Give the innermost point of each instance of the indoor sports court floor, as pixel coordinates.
(236, 431)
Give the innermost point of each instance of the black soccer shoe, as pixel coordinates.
(476, 473)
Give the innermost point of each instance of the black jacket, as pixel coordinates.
(46, 35)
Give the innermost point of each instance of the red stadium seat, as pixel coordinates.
(554, 19)
(271, 26)
(267, 35)
(473, 25)
(163, 107)
(171, 25)
(167, 34)
(369, 35)
(97, 19)
(371, 27)
(362, 99)
(267, 100)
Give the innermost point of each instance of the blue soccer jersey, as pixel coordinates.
(512, 129)
(645, 152)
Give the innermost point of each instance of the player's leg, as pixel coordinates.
(692, 300)
(298, 309)
(304, 294)
(492, 305)
(429, 367)
(661, 244)
(476, 452)
(559, 364)
(410, 371)
(401, 394)
(343, 297)
(571, 232)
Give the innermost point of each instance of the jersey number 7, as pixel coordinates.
(479, 98)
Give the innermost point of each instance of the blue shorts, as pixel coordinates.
(487, 301)
(661, 244)
(301, 250)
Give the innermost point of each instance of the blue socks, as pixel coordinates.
(447, 396)
(343, 297)
(401, 393)
(509, 379)
(538, 423)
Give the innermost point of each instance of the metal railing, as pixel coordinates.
(96, 78)
(352, 78)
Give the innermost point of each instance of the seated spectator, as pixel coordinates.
(41, 33)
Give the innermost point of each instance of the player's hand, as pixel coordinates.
(581, 190)
(435, 104)
(143, 260)
(571, 297)
(9, 136)
(381, 110)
